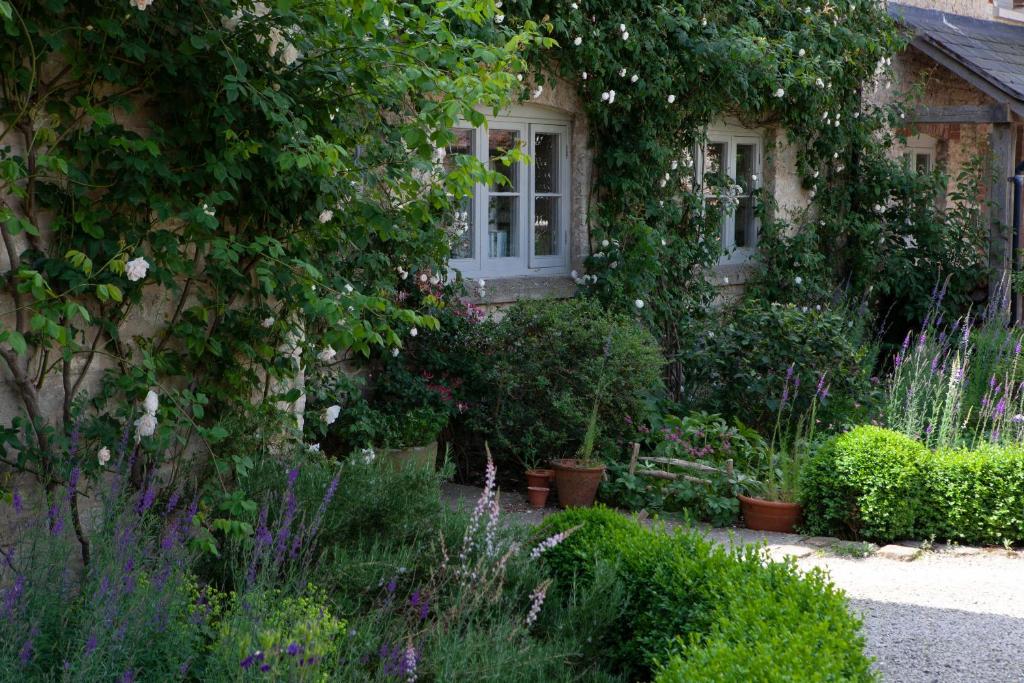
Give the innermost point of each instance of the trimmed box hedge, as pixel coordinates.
(697, 611)
(876, 484)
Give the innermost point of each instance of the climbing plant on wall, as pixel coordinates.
(207, 198)
(652, 76)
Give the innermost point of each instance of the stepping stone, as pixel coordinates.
(780, 552)
(820, 541)
(898, 552)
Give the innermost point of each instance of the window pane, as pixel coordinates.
(460, 228)
(923, 163)
(502, 222)
(545, 159)
(546, 230)
(500, 142)
(746, 159)
(743, 235)
(713, 158)
(463, 144)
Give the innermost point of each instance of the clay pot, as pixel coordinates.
(577, 484)
(413, 457)
(539, 477)
(538, 496)
(770, 515)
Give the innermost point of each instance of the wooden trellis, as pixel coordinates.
(675, 462)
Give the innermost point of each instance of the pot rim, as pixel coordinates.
(767, 503)
(569, 464)
(538, 488)
(540, 471)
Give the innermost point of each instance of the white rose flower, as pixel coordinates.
(798, 280)
(413, 332)
(639, 303)
(622, 72)
(145, 426)
(136, 269)
(151, 403)
(267, 323)
(327, 355)
(604, 96)
(671, 99)
(611, 96)
(141, 5)
(423, 277)
(634, 78)
(434, 279)
(577, 41)
(818, 82)
(584, 74)
(103, 456)
(625, 36)
(605, 243)
(538, 91)
(331, 414)
(349, 288)
(780, 93)
(394, 351)
(326, 215)
(313, 447)
(481, 283)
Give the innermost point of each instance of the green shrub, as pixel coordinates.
(681, 585)
(973, 496)
(739, 365)
(880, 485)
(864, 483)
(270, 635)
(556, 359)
(765, 635)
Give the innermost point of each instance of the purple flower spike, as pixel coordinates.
(17, 502)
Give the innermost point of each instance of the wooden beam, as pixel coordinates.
(967, 73)
(996, 113)
(1003, 145)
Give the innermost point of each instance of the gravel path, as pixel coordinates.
(952, 615)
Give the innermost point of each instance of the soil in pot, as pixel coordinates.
(577, 484)
(538, 496)
(540, 478)
(770, 515)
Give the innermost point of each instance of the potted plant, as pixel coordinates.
(410, 439)
(537, 476)
(775, 506)
(577, 478)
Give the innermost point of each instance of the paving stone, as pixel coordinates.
(820, 541)
(780, 552)
(898, 552)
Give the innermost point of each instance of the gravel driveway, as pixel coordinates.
(949, 615)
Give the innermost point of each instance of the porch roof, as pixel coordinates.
(987, 54)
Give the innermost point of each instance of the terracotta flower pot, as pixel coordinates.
(413, 457)
(770, 515)
(577, 484)
(538, 496)
(539, 477)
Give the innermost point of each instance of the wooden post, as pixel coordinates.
(1001, 141)
(632, 461)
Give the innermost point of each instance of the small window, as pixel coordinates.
(732, 158)
(524, 213)
(919, 154)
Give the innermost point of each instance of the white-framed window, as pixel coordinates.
(919, 153)
(736, 154)
(519, 225)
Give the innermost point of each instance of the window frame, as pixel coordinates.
(731, 136)
(920, 144)
(527, 122)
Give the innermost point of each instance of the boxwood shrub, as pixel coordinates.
(864, 483)
(880, 485)
(688, 599)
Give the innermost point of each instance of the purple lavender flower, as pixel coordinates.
(146, 501)
(420, 604)
(90, 644)
(551, 542)
(56, 520)
(1001, 407)
(128, 677)
(821, 386)
(16, 501)
(294, 649)
(12, 594)
(25, 653)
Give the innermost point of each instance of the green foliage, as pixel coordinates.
(681, 585)
(973, 496)
(558, 359)
(247, 181)
(774, 64)
(883, 486)
(739, 366)
(864, 483)
(768, 636)
(296, 638)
